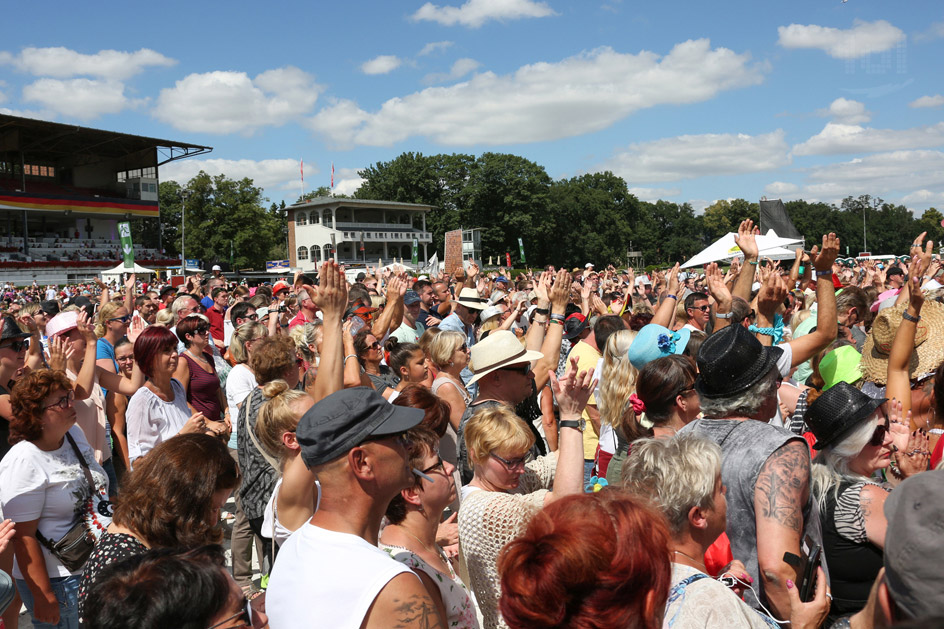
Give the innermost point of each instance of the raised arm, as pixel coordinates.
(572, 392)
(748, 245)
(808, 345)
(665, 315)
(392, 314)
(130, 284)
(898, 385)
(331, 297)
(781, 492)
(560, 295)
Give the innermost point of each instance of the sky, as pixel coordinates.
(687, 101)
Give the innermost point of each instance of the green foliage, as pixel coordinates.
(221, 215)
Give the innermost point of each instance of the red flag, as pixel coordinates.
(508, 259)
(301, 169)
(332, 175)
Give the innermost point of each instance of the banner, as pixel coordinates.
(277, 266)
(433, 266)
(507, 259)
(521, 251)
(127, 248)
(416, 252)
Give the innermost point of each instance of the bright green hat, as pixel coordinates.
(840, 365)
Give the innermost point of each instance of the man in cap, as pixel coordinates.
(765, 469)
(411, 329)
(466, 309)
(502, 368)
(330, 573)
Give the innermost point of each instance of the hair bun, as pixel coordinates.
(274, 388)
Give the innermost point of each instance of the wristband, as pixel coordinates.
(825, 275)
(754, 262)
(802, 269)
(557, 317)
(724, 315)
(908, 317)
(560, 321)
(542, 311)
(671, 296)
(349, 356)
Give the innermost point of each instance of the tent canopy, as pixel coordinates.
(115, 273)
(770, 245)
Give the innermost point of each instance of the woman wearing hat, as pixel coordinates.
(853, 439)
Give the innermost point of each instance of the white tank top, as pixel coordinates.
(324, 578)
(272, 527)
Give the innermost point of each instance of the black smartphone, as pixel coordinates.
(805, 566)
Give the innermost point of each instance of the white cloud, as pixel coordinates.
(843, 138)
(880, 174)
(928, 101)
(544, 101)
(847, 111)
(84, 99)
(934, 31)
(271, 174)
(862, 39)
(231, 102)
(459, 69)
(382, 64)
(781, 188)
(692, 156)
(474, 13)
(436, 46)
(699, 205)
(923, 197)
(654, 194)
(61, 63)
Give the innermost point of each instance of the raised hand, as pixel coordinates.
(572, 390)
(560, 292)
(916, 454)
(542, 287)
(824, 258)
(60, 353)
(745, 239)
(331, 293)
(82, 325)
(925, 254)
(673, 286)
(716, 286)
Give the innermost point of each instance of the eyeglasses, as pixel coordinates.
(124, 319)
(511, 464)
(704, 308)
(64, 402)
(878, 437)
(244, 616)
(439, 464)
(17, 346)
(522, 369)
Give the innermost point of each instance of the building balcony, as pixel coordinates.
(386, 236)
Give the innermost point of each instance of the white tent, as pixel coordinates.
(770, 245)
(114, 275)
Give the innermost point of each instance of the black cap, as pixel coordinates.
(731, 361)
(50, 307)
(11, 330)
(837, 411)
(168, 289)
(574, 325)
(346, 419)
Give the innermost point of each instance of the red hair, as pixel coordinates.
(437, 410)
(154, 340)
(589, 561)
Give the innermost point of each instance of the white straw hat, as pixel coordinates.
(499, 349)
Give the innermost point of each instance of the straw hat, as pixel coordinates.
(499, 349)
(469, 297)
(929, 342)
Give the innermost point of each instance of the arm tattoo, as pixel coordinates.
(783, 485)
(416, 612)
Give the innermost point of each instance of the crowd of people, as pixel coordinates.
(754, 445)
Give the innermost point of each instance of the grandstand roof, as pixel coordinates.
(54, 139)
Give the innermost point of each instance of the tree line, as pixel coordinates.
(570, 221)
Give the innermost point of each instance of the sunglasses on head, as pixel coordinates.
(17, 346)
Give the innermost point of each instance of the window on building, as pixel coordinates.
(302, 253)
(301, 218)
(315, 218)
(327, 219)
(316, 254)
(327, 252)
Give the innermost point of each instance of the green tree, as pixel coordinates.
(674, 233)
(930, 222)
(724, 216)
(321, 191)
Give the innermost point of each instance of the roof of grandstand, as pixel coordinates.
(54, 139)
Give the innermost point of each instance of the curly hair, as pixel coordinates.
(578, 565)
(272, 357)
(168, 498)
(28, 402)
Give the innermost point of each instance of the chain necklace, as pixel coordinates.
(436, 552)
(700, 563)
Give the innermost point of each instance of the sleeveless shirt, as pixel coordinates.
(204, 390)
(745, 447)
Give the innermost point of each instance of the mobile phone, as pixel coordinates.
(805, 566)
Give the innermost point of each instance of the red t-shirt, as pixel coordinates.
(216, 323)
(299, 319)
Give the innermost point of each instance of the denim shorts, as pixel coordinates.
(66, 590)
(7, 591)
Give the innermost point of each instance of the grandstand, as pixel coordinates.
(64, 189)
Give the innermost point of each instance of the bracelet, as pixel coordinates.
(542, 311)
(908, 317)
(724, 315)
(671, 296)
(754, 262)
(559, 321)
(557, 317)
(775, 332)
(349, 356)
(826, 275)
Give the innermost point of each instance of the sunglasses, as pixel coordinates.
(878, 437)
(402, 439)
(17, 346)
(203, 329)
(511, 464)
(244, 616)
(374, 345)
(64, 402)
(253, 317)
(124, 319)
(522, 369)
(705, 308)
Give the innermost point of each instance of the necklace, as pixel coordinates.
(678, 552)
(428, 549)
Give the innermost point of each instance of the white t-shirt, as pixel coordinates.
(51, 487)
(151, 420)
(335, 576)
(239, 384)
(272, 527)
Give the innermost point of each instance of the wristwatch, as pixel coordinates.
(579, 424)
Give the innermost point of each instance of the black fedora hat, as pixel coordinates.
(837, 411)
(10, 330)
(732, 360)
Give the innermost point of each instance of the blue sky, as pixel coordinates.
(687, 101)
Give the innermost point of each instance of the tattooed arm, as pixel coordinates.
(403, 603)
(872, 503)
(781, 492)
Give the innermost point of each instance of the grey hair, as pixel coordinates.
(676, 474)
(831, 466)
(747, 403)
(179, 303)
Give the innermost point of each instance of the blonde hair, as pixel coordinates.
(617, 383)
(427, 339)
(306, 336)
(276, 417)
(107, 312)
(443, 346)
(249, 331)
(676, 474)
(496, 428)
(164, 318)
(31, 308)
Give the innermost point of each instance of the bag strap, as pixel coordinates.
(85, 467)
